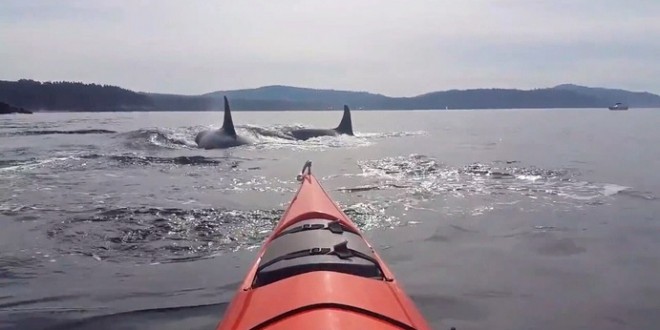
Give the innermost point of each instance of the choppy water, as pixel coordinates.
(526, 219)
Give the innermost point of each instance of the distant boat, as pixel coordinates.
(618, 106)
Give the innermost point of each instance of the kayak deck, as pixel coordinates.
(317, 271)
(316, 245)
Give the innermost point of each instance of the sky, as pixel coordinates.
(392, 47)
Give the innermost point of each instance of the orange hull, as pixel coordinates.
(316, 271)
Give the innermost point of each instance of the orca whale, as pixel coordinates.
(224, 137)
(345, 127)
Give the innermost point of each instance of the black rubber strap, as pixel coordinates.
(341, 250)
(344, 252)
(335, 227)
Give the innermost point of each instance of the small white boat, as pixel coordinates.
(618, 106)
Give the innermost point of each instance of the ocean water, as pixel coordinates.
(503, 219)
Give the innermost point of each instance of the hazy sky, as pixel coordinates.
(398, 48)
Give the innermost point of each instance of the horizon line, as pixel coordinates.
(338, 90)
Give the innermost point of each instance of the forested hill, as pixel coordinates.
(76, 96)
(611, 96)
(71, 96)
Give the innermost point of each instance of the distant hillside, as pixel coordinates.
(611, 96)
(562, 96)
(75, 96)
(213, 101)
(71, 96)
(497, 99)
(306, 98)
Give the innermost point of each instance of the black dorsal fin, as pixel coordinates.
(346, 125)
(228, 124)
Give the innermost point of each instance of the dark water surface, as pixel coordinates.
(525, 219)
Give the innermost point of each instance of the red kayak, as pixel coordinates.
(317, 271)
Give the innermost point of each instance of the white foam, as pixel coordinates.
(613, 189)
(36, 164)
(529, 177)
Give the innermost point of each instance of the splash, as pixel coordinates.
(263, 137)
(159, 138)
(279, 137)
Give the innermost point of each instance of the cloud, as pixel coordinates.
(394, 47)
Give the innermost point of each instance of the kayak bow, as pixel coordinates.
(317, 271)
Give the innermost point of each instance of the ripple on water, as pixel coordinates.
(87, 161)
(422, 178)
(146, 235)
(52, 132)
